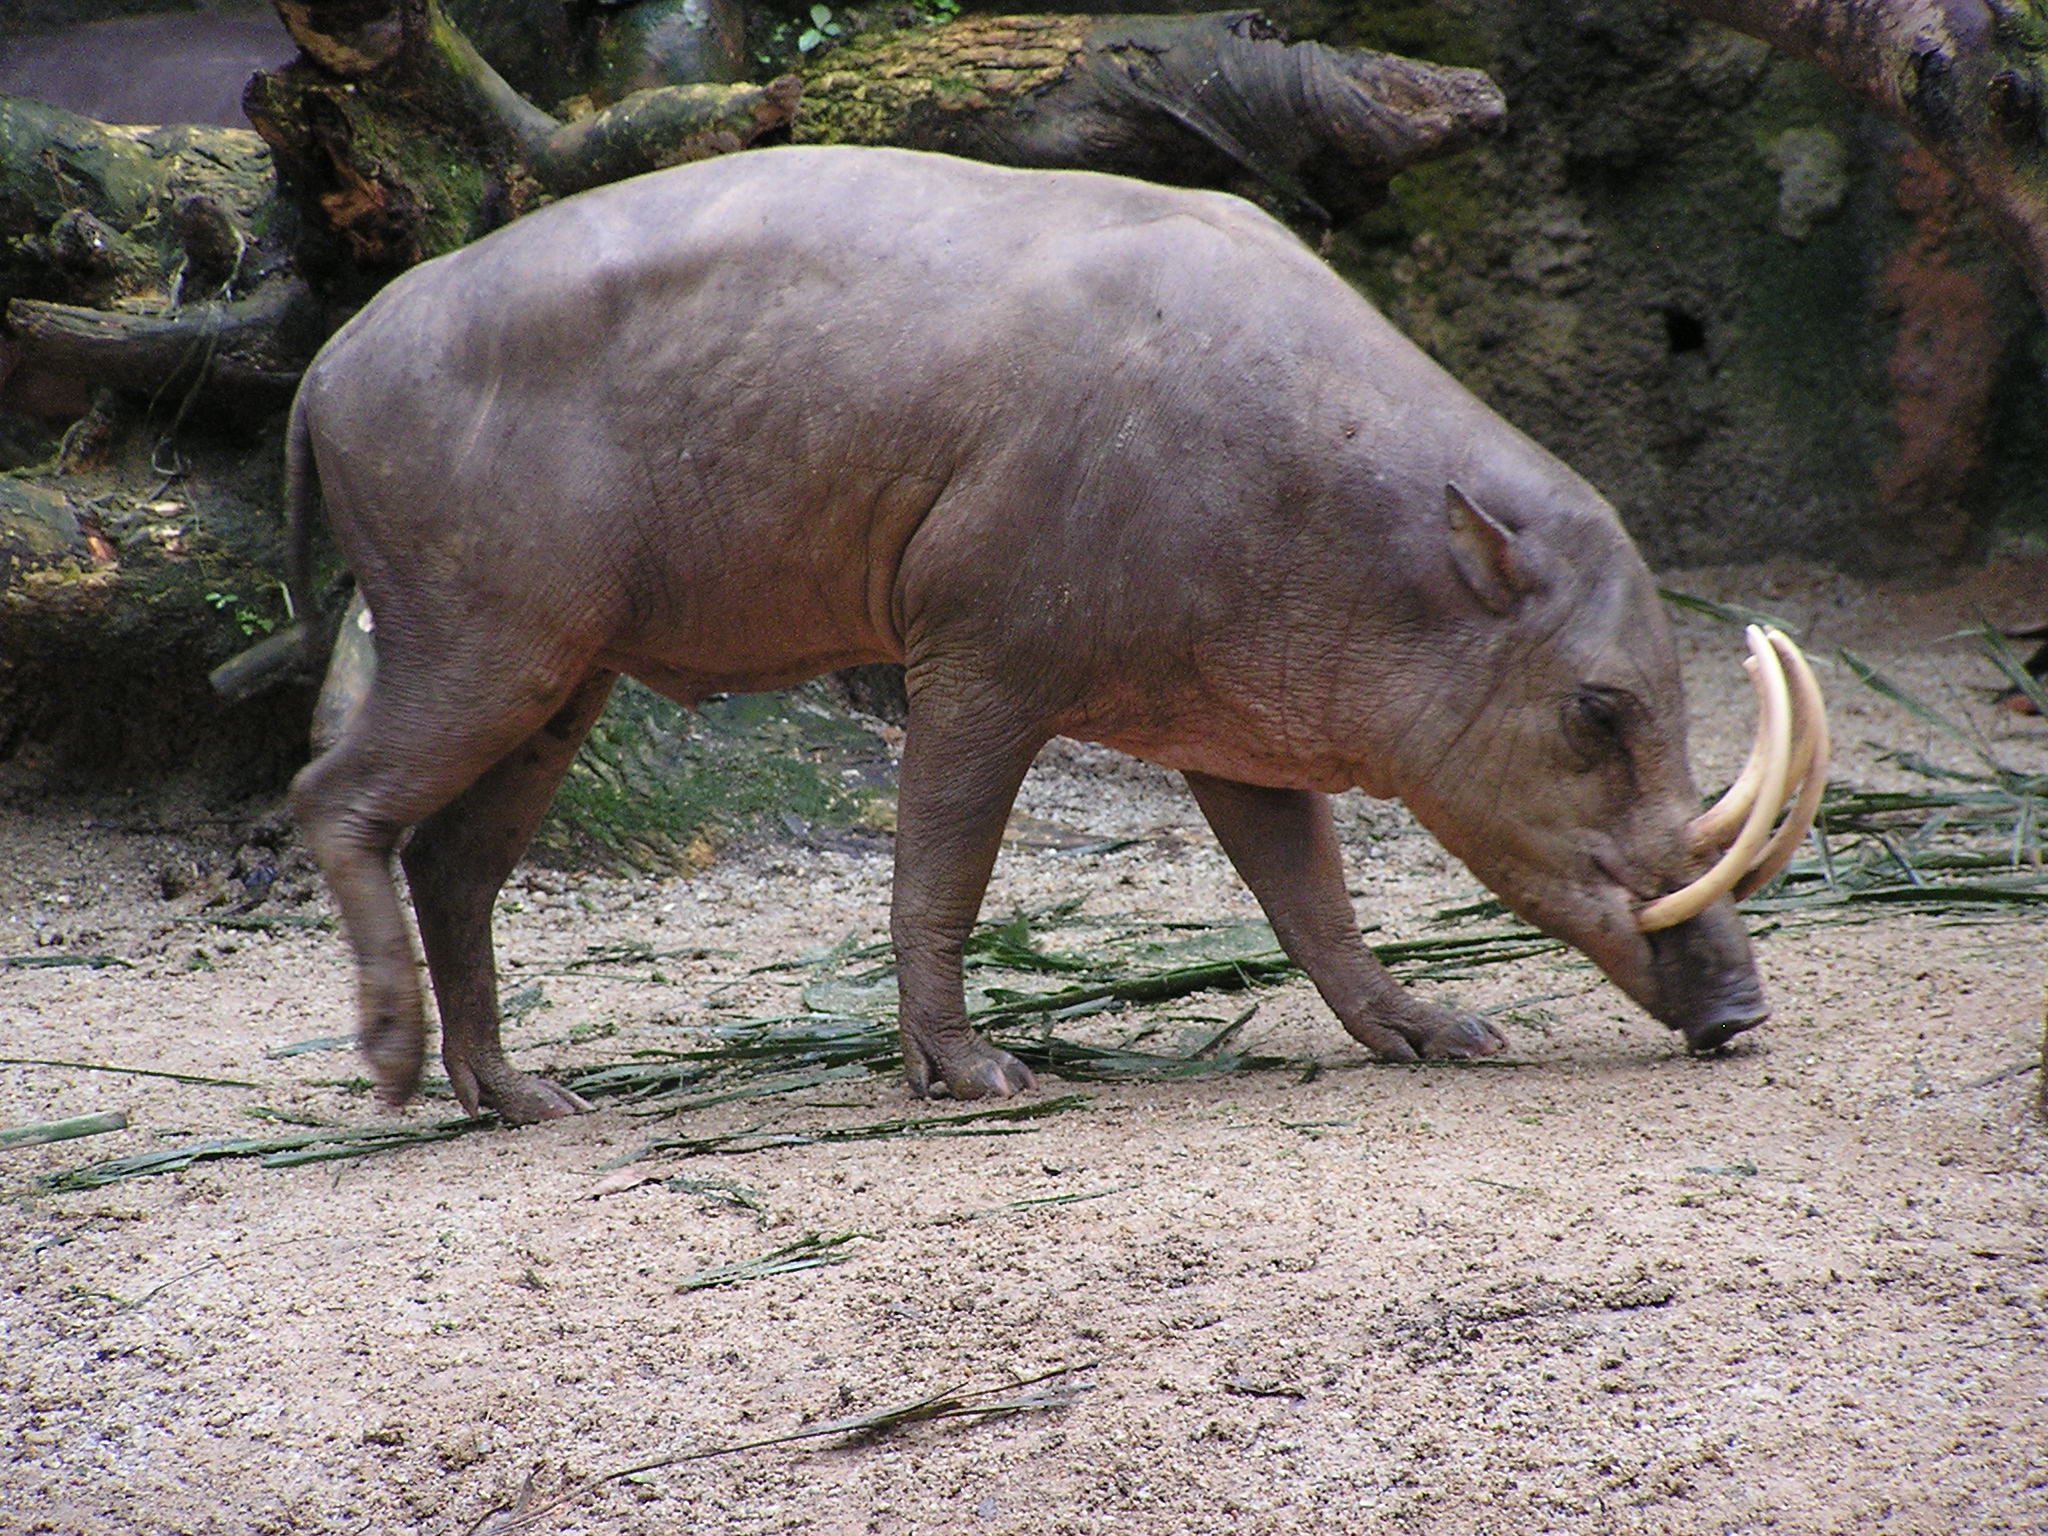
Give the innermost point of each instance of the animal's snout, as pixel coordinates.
(1705, 979)
(1738, 1006)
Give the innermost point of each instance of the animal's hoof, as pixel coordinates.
(533, 1099)
(1389, 1046)
(996, 1075)
(1708, 1038)
(515, 1097)
(393, 1046)
(974, 1071)
(1463, 1037)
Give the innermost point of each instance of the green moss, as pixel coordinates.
(1455, 203)
(895, 86)
(1448, 198)
(2023, 24)
(1792, 94)
(860, 94)
(448, 178)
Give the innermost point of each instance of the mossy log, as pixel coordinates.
(146, 259)
(398, 141)
(1220, 99)
(91, 213)
(246, 350)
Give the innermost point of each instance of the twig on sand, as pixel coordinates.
(94, 1066)
(976, 1404)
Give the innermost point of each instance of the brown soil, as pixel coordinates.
(1799, 1287)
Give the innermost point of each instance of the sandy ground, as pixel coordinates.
(1800, 1287)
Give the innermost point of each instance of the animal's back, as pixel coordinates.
(744, 386)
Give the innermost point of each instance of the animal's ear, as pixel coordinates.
(1484, 550)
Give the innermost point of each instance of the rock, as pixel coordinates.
(1813, 178)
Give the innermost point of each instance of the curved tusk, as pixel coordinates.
(1775, 737)
(1714, 827)
(1809, 769)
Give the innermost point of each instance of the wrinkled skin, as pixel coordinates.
(1091, 457)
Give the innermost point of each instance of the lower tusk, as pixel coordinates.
(1775, 739)
(1809, 769)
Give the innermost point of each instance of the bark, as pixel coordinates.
(1967, 78)
(247, 351)
(83, 204)
(398, 141)
(557, 53)
(144, 258)
(1221, 99)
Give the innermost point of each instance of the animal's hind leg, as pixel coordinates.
(456, 862)
(420, 738)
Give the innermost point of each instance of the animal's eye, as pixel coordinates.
(1597, 721)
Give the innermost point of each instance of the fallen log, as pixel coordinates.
(246, 352)
(1221, 99)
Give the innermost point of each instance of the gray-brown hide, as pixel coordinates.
(1092, 457)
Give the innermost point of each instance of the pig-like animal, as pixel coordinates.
(1092, 458)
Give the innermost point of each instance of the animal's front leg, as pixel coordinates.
(1284, 844)
(964, 755)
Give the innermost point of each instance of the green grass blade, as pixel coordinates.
(811, 1251)
(275, 1152)
(1726, 613)
(96, 1066)
(2007, 660)
(1007, 1120)
(48, 1131)
(1925, 713)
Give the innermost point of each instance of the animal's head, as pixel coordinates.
(1563, 781)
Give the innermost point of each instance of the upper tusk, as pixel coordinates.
(1809, 768)
(1774, 737)
(1713, 827)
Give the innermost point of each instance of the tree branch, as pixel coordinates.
(251, 349)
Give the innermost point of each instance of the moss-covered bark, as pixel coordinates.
(398, 141)
(1216, 99)
(89, 212)
(924, 84)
